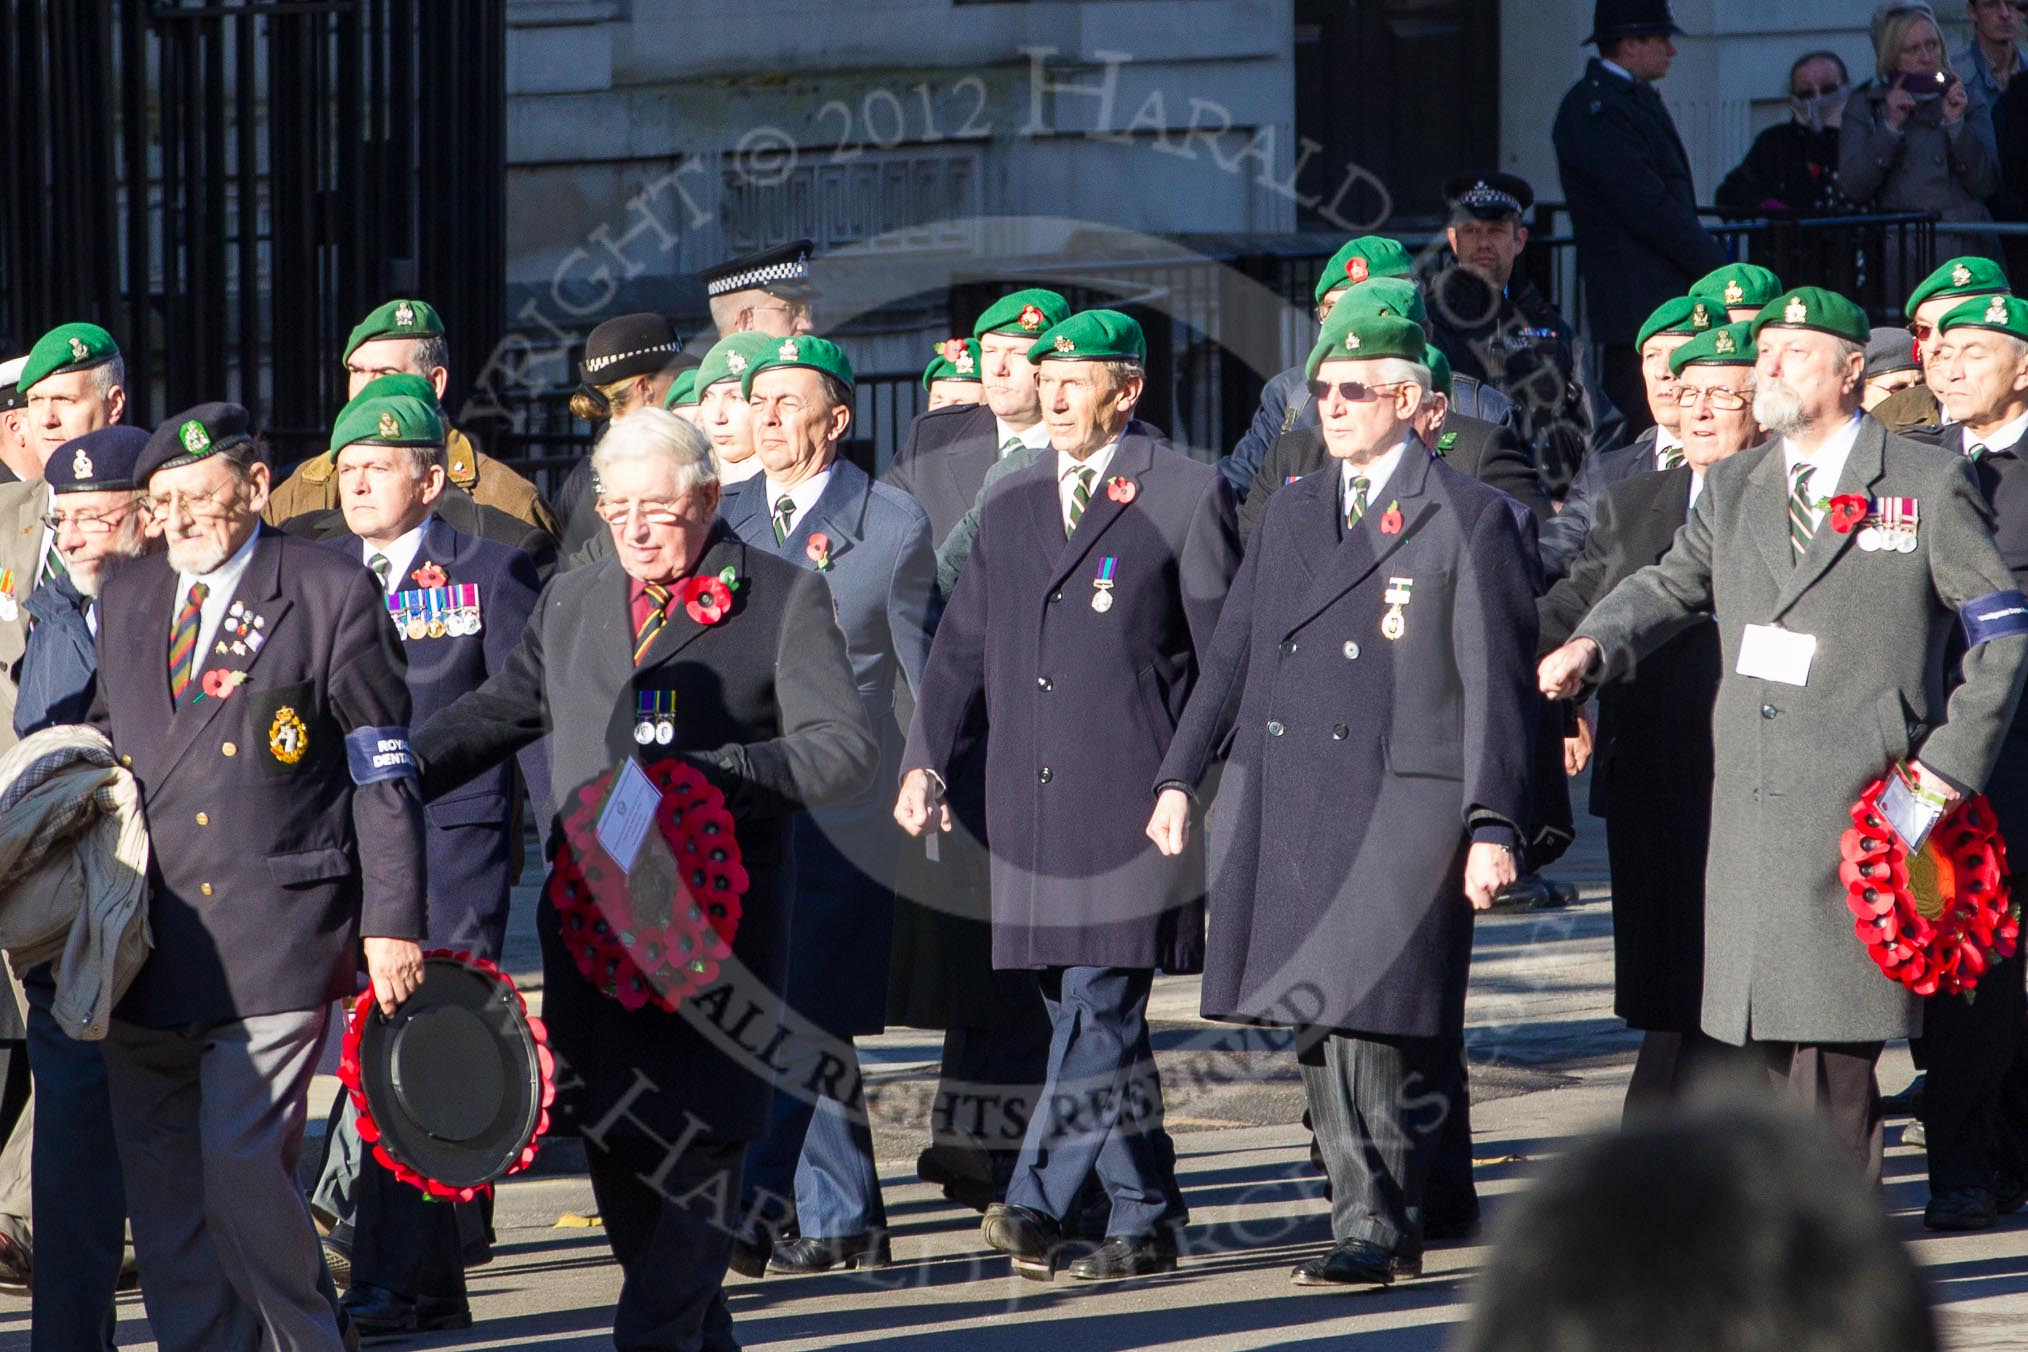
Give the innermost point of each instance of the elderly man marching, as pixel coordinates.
(1833, 673)
(1081, 618)
(871, 543)
(1371, 671)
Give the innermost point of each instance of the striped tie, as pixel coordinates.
(183, 641)
(1978, 449)
(1357, 507)
(1671, 457)
(785, 513)
(1802, 516)
(1080, 498)
(653, 622)
(381, 566)
(1009, 446)
(52, 563)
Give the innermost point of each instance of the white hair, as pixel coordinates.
(1399, 370)
(652, 432)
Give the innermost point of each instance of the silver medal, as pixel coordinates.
(1102, 601)
(665, 732)
(1869, 539)
(644, 732)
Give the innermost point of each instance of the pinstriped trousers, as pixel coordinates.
(1379, 1105)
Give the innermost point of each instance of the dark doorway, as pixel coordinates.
(1399, 95)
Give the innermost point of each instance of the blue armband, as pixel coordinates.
(1994, 615)
(379, 753)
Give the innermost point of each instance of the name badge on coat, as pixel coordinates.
(1772, 653)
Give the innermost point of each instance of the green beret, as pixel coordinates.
(1439, 369)
(1091, 335)
(1367, 338)
(1966, 276)
(682, 390)
(396, 410)
(956, 359)
(1397, 296)
(1737, 286)
(2001, 314)
(1025, 312)
(1361, 260)
(730, 356)
(1726, 345)
(67, 347)
(1812, 307)
(1674, 315)
(396, 319)
(815, 354)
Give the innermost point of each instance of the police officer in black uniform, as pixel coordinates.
(1497, 327)
(1627, 179)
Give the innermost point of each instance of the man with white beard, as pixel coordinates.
(1833, 661)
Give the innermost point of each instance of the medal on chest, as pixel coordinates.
(1395, 623)
(655, 717)
(1890, 526)
(1102, 586)
(10, 608)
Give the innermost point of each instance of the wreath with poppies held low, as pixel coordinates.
(369, 1130)
(656, 935)
(1936, 920)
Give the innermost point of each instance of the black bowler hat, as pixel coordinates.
(455, 1088)
(630, 345)
(1490, 197)
(1631, 19)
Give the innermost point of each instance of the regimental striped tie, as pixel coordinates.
(785, 515)
(52, 563)
(1802, 517)
(1009, 446)
(1978, 449)
(653, 622)
(381, 566)
(183, 641)
(1357, 507)
(1670, 457)
(1080, 498)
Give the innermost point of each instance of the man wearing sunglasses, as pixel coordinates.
(1954, 282)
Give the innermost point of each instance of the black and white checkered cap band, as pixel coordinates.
(792, 270)
(594, 365)
(1481, 196)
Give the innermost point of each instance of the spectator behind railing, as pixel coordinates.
(1793, 167)
(1915, 138)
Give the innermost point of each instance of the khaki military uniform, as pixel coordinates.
(313, 487)
(1909, 408)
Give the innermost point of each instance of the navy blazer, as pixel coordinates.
(765, 707)
(943, 463)
(1080, 703)
(1361, 762)
(471, 831)
(268, 861)
(881, 573)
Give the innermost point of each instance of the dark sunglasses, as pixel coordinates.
(1921, 330)
(1351, 391)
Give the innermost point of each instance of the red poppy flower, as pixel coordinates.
(819, 551)
(1390, 521)
(954, 348)
(707, 599)
(1936, 920)
(429, 575)
(1121, 489)
(1356, 268)
(1847, 511)
(218, 683)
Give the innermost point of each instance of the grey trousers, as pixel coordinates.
(1379, 1106)
(209, 1122)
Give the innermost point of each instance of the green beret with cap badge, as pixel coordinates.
(1024, 312)
(682, 390)
(730, 357)
(1091, 335)
(1726, 345)
(1969, 275)
(1674, 315)
(66, 348)
(396, 410)
(396, 319)
(1361, 260)
(956, 359)
(812, 354)
(1367, 338)
(2000, 314)
(1812, 307)
(1736, 286)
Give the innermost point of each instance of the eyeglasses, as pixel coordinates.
(1351, 391)
(615, 511)
(212, 506)
(1730, 401)
(1921, 330)
(91, 523)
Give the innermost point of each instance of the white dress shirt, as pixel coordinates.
(47, 538)
(1696, 489)
(804, 495)
(1066, 475)
(223, 581)
(2005, 439)
(1376, 472)
(1035, 438)
(400, 554)
(1829, 463)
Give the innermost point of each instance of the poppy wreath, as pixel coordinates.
(659, 934)
(369, 1130)
(1936, 920)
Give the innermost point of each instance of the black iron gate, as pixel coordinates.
(228, 185)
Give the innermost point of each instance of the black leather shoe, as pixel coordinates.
(1960, 1209)
(964, 1172)
(378, 1312)
(751, 1249)
(808, 1254)
(1028, 1238)
(1357, 1263)
(1123, 1256)
(436, 1313)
